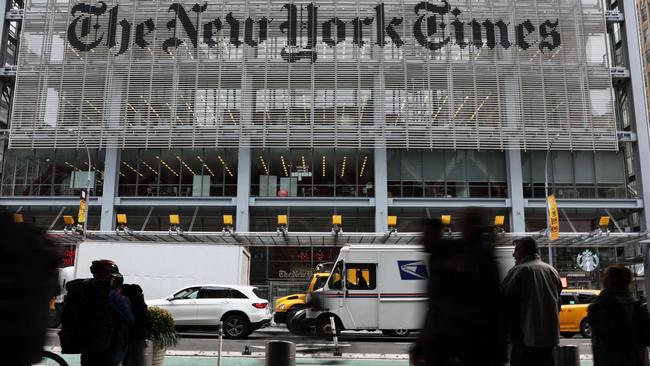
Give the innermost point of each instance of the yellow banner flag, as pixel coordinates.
(81, 217)
(553, 218)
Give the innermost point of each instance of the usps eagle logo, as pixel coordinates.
(413, 270)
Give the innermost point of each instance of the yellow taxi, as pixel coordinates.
(573, 316)
(286, 307)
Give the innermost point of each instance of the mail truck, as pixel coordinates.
(378, 287)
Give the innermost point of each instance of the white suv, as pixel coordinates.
(239, 307)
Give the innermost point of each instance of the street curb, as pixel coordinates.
(258, 355)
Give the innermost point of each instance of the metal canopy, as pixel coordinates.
(273, 239)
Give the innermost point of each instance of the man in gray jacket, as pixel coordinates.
(532, 294)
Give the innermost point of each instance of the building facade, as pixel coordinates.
(363, 109)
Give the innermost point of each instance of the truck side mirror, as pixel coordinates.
(170, 298)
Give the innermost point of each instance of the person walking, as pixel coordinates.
(462, 328)
(620, 325)
(532, 293)
(28, 282)
(96, 317)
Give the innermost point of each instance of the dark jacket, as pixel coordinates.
(141, 328)
(614, 318)
(532, 290)
(464, 320)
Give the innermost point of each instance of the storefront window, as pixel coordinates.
(182, 172)
(312, 173)
(51, 172)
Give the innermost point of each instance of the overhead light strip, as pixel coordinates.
(167, 166)
(225, 166)
(206, 166)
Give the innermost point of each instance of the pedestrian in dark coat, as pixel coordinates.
(532, 290)
(463, 326)
(617, 322)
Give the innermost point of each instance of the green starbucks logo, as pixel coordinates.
(588, 260)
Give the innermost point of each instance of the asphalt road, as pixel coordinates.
(373, 343)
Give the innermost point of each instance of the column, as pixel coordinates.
(639, 124)
(112, 159)
(515, 191)
(111, 179)
(381, 165)
(242, 219)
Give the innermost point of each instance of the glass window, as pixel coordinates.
(320, 282)
(236, 294)
(188, 293)
(312, 173)
(568, 299)
(586, 298)
(51, 172)
(214, 293)
(179, 172)
(360, 276)
(336, 278)
(259, 293)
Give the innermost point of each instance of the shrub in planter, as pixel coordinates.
(163, 334)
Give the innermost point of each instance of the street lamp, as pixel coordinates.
(548, 215)
(76, 132)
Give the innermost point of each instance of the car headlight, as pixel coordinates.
(281, 306)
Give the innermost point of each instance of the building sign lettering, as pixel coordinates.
(437, 26)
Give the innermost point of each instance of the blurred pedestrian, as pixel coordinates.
(532, 290)
(96, 317)
(620, 325)
(141, 329)
(463, 325)
(28, 282)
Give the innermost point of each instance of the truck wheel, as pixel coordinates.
(323, 326)
(235, 326)
(291, 313)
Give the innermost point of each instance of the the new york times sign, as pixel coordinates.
(437, 25)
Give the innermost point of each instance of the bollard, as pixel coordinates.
(280, 353)
(567, 356)
(335, 338)
(220, 343)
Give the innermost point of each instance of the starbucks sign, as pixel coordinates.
(588, 260)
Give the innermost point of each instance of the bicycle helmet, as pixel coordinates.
(103, 268)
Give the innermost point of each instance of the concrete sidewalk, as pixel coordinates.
(73, 360)
(257, 360)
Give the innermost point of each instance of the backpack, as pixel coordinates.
(86, 321)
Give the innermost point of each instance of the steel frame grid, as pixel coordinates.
(226, 93)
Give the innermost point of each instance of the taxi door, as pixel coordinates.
(569, 314)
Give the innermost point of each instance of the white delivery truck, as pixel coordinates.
(378, 287)
(162, 268)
